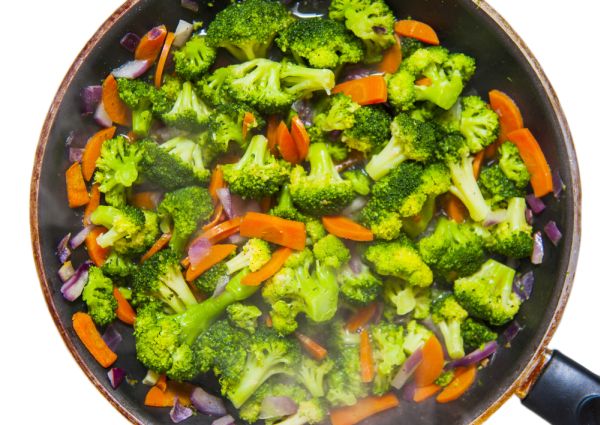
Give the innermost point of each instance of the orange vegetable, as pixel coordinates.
(361, 317)
(86, 330)
(146, 200)
(96, 253)
(477, 163)
(151, 44)
(273, 266)
(216, 254)
(419, 30)
(217, 216)
(92, 205)
(164, 54)
(534, 159)
(364, 408)
(508, 111)
(157, 246)
(114, 106)
(392, 58)
(455, 209)
(459, 385)
(92, 151)
(248, 123)
(265, 204)
(301, 137)
(157, 397)
(222, 231)
(425, 81)
(77, 193)
(272, 126)
(432, 365)
(316, 350)
(161, 384)
(344, 228)
(268, 321)
(125, 313)
(423, 393)
(285, 142)
(274, 229)
(367, 367)
(364, 91)
(216, 182)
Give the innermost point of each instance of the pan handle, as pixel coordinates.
(565, 393)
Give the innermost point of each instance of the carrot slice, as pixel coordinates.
(432, 365)
(344, 228)
(363, 409)
(364, 91)
(419, 30)
(477, 161)
(96, 253)
(316, 350)
(86, 330)
(425, 81)
(157, 246)
(217, 217)
(164, 54)
(77, 193)
(156, 397)
(291, 234)
(535, 161)
(287, 147)
(114, 106)
(367, 367)
(423, 393)
(301, 137)
(92, 151)
(146, 200)
(216, 182)
(151, 44)
(459, 385)
(125, 313)
(509, 113)
(161, 384)
(222, 231)
(392, 58)
(276, 262)
(248, 123)
(455, 209)
(216, 254)
(92, 205)
(361, 317)
(272, 126)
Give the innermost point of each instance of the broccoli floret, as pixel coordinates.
(512, 165)
(388, 354)
(513, 236)
(213, 87)
(416, 336)
(138, 95)
(117, 169)
(117, 265)
(331, 251)
(370, 20)
(210, 279)
(312, 375)
(496, 187)
(142, 240)
(445, 379)
(164, 98)
(99, 298)
(401, 259)
(299, 81)
(476, 334)
(361, 183)
(448, 315)
(405, 299)
(250, 411)
(188, 112)
(453, 250)
(247, 29)
(337, 113)
(371, 129)
(488, 294)
(409, 46)
(244, 316)
(417, 224)
(411, 139)
(226, 126)
(257, 174)
(185, 208)
(194, 58)
(121, 223)
(323, 191)
(359, 288)
(312, 411)
(255, 254)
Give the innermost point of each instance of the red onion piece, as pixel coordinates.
(179, 413)
(183, 32)
(116, 376)
(305, 111)
(207, 404)
(237, 239)
(553, 232)
(557, 183)
(221, 285)
(277, 407)
(407, 369)
(511, 331)
(112, 337)
(72, 288)
(355, 263)
(76, 139)
(101, 116)
(198, 250)
(529, 216)
(90, 98)
(408, 394)
(130, 41)
(523, 285)
(537, 256)
(224, 196)
(132, 69)
(225, 420)
(475, 357)
(75, 154)
(235, 205)
(66, 271)
(79, 238)
(190, 5)
(334, 135)
(62, 250)
(356, 73)
(536, 204)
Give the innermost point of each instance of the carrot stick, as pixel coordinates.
(367, 367)
(92, 205)
(156, 397)
(216, 254)
(301, 137)
(477, 163)
(157, 246)
(425, 81)
(222, 231)
(535, 161)
(77, 193)
(361, 317)
(364, 91)
(364, 408)
(344, 228)
(418, 30)
(248, 123)
(92, 151)
(216, 182)
(161, 384)
(151, 43)
(455, 209)
(272, 126)
(146, 200)
(392, 58)
(287, 147)
(125, 313)
(276, 262)
(510, 115)
(96, 253)
(316, 350)
(268, 321)
(164, 54)
(218, 215)
(423, 393)
(432, 365)
(92, 340)
(114, 106)
(459, 385)
(291, 234)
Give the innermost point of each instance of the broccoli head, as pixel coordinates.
(117, 265)
(331, 251)
(164, 98)
(208, 281)
(361, 183)
(312, 411)
(416, 336)
(388, 354)
(417, 224)
(299, 81)
(121, 223)
(370, 131)
(496, 187)
(410, 45)
(138, 95)
(512, 165)
(194, 58)
(226, 126)
(311, 374)
(448, 315)
(405, 299)
(336, 113)
(244, 316)
(250, 411)
(188, 112)
(513, 236)
(99, 298)
(358, 285)
(255, 254)
(475, 334)
(213, 87)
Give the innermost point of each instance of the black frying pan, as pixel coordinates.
(556, 388)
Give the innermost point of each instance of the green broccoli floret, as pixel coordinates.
(138, 95)
(164, 98)
(370, 131)
(399, 258)
(409, 46)
(361, 183)
(117, 265)
(513, 236)
(258, 173)
(322, 43)
(496, 187)
(488, 294)
(445, 379)
(476, 334)
(255, 254)
(213, 87)
(512, 165)
(416, 336)
(411, 139)
(244, 316)
(299, 81)
(337, 113)
(359, 288)
(388, 354)
(323, 191)
(117, 169)
(188, 112)
(405, 299)
(208, 281)
(417, 224)
(226, 126)
(194, 58)
(185, 209)
(312, 411)
(453, 250)
(448, 315)
(124, 222)
(142, 240)
(247, 29)
(250, 411)
(370, 20)
(312, 375)
(99, 298)
(331, 251)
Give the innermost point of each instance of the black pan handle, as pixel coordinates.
(565, 393)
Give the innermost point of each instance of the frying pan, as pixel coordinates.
(549, 383)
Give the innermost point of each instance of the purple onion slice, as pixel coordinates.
(79, 238)
(132, 69)
(90, 98)
(511, 331)
(495, 217)
(557, 183)
(179, 413)
(536, 204)
(225, 420)
(116, 376)
(277, 407)
(72, 288)
(537, 256)
(75, 154)
(198, 250)
(475, 357)
(130, 41)
(112, 337)
(221, 285)
(66, 271)
(408, 393)
(553, 232)
(190, 5)
(101, 116)
(62, 250)
(523, 286)
(529, 216)
(224, 196)
(407, 369)
(207, 404)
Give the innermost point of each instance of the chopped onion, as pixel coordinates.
(207, 404)
(557, 183)
(182, 33)
(130, 41)
(112, 337)
(66, 271)
(79, 238)
(553, 232)
(535, 203)
(221, 285)
(75, 154)
(407, 369)
(495, 217)
(90, 98)
(239, 206)
(116, 376)
(334, 135)
(190, 5)
(537, 256)
(76, 139)
(179, 413)
(132, 69)
(72, 288)
(62, 250)
(357, 204)
(379, 30)
(198, 250)
(101, 116)
(529, 216)
(224, 196)
(523, 285)
(151, 378)
(408, 394)
(355, 263)
(277, 407)
(305, 111)
(475, 357)
(356, 73)
(225, 420)
(237, 239)
(511, 331)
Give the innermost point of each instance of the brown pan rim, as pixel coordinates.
(529, 372)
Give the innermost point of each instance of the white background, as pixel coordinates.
(40, 380)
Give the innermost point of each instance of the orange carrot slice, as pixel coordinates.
(364, 91)
(300, 137)
(477, 161)
(274, 229)
(361, 317)
(248, 123)
(535, 161)
(96, 253)
(509, 113)
(92, 151)
(392, 58)
(276, 262)
(272, 127)
(157, 246)
(92, 205)
(344, 228)
(287, 147)
(455, 209)
(114, 106)
(222, 231)
(423, 393)
(164, 54)
(77, 193)
(92, 340)
(216, 254)
(146, 200)
(363, 409)
(432, 365)
(151, 43)
(125, 313)
(367, 367)
(459, 385)
(316, 350)
(419, 30)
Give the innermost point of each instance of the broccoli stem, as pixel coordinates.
(175, 281)
(255, 154)
(452, 338)
(175, 303)
(256, 372)
(385, 161)
(141, 120)
(321, 305)
(238, 262)
(516, 214)
(466, 189)
(109, 238)
(321, 163)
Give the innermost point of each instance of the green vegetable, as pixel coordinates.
(475, 334)
(255, 254)
(512, 165)
(388, 354)
(513, 236)
(448, 315)
(138, 96)
(194, 58)
(99, 298)
(189, 112)
(244, 316)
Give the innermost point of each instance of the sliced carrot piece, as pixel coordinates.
(216, 254)
(367, 367)
(363, 409)
(301, 137)
(274, 229)
(161, 384)
(432, 365)
(287, 147)
(92, 205)
(77, 193)
(455, 209)
(392, 58)
(477, 161)
(125, 313)
(272, 126)
(425, 81)
(535, 161)
(459, 385)
(276, 262)
(146, 200)
(157, 246)
(217, 217)
(151, 43)
(96, 253)
(222, 231)
(344, 228)
(361, 317)
(423, 393)
(86, 330)
(216, 182)
(509, 113)
(164, 54)
(364, 91)
(316, 350)
(92, 151)
(419, 30)
(156, 397)
(114, 106)
(248, 123)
